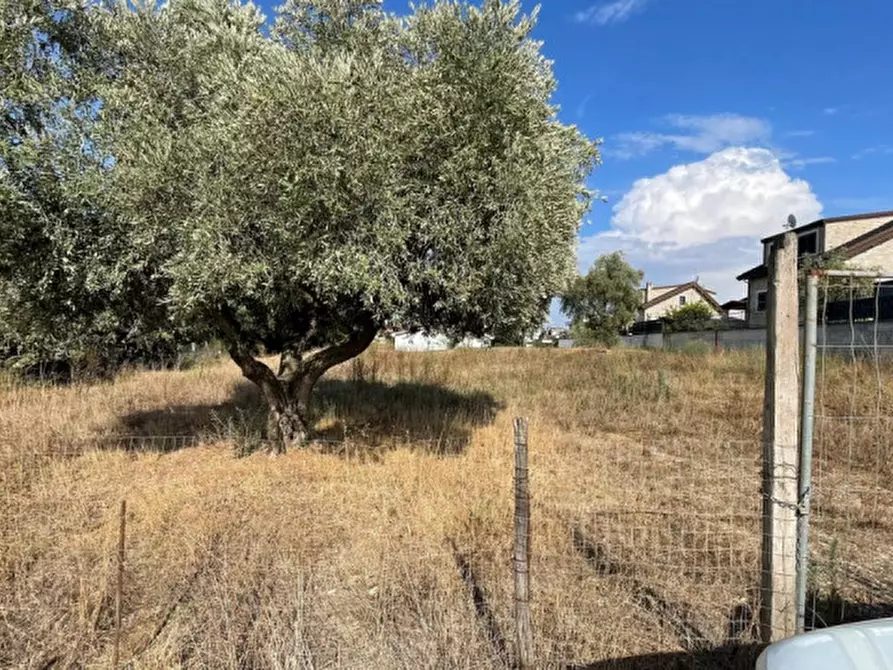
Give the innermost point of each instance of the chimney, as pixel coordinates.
(647, 291)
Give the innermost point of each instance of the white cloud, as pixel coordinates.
(633, 145)
(700, 134)
(737, 192)
(798, 163)
(831, 111)
(708, 134)
(605, 13)
(581, 108)
(878, 149)
(704, 219)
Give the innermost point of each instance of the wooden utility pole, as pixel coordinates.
(780, 440)
(523, 629)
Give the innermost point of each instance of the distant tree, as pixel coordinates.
(605, 300)
(295, 192)
(691, 317)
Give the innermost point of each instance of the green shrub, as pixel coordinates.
(694, 316)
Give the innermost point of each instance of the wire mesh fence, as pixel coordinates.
(851, 527)
(647, 548)
(650, 548)
(658, 552)
(67, 446)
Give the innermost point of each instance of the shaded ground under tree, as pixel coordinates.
(371, 415)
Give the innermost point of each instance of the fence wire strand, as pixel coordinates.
(658, 552)
(851, 522)
(645, 547)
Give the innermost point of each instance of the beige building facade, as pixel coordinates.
(863, 241)
(658, 301)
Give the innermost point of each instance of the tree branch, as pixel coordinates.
(316, 365)
(297, 375)
(291, 366)
(253, 369)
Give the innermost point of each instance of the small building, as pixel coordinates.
(735, 310)
(419, 341)
(550, 336)
(657, 301)
(861, 240)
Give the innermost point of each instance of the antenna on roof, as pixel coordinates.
(792, 222)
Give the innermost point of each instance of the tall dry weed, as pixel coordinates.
(388, 543)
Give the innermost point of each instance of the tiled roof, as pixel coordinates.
(831, 219)
(682, 288)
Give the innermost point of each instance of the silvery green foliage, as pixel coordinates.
(355, 165)
(185, 168)
(69, 292)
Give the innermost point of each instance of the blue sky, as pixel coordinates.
(720, 118)
(736, 112)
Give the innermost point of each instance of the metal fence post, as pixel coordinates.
(807, 418)
(119, 583)
(778, 614)
(523, 629)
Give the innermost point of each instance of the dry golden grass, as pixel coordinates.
(388, 543)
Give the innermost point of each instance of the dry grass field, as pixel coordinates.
(388, 543)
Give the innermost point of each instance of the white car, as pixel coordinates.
(858, 646)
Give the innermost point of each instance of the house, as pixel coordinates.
(861, 240)
(551, 335)
(657, 301)
(407, 341)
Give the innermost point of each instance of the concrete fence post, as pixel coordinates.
(778, 612)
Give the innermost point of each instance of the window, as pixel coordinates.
(808, 244)
(761, 301)
(681, 300)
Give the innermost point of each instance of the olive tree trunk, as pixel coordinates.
(287, 425)
(288, 393)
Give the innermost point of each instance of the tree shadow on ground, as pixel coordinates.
(376, 415)
(354, 418)
(241, 419)
(823, 609)
(741, 645)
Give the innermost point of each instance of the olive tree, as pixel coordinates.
(295, 192)
(70, 297)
